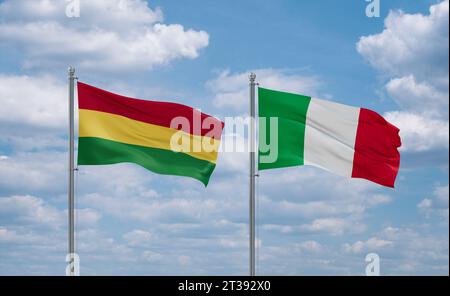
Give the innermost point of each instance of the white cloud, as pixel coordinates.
(404, 250)
(87, 216)
(34, 212)
(94, 243)
(231, 89)
(410, 43)
(234, 242)
(312, 192)
(333, 226)
(34, 172)
(12, 236)
(420, 97)
(151, 256)
(442, 196)
(419, 251)
(30, 210)
(121, 180)
(101, 13)
(425, 204)
(113, 35)
(280, 228)
(371, 245)
(156, 210)
(437, 204)
(378, 199)
(313, 201)
(33, 101)
(138, 237)
(312, 246)
(420, 133)
(413, 53)
(34, 114)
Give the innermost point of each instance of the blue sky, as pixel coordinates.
(310, 222)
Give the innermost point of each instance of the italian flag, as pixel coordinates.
(115, 129)
(348, 141)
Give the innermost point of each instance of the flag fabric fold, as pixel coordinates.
(348, 141)
(115, 129)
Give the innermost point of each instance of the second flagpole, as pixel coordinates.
(71, 197)
(252, 139)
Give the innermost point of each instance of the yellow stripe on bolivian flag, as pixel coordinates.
(118, 128)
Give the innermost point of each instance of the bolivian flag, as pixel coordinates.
(165, 138)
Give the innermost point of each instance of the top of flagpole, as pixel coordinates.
(71, 71)
(252, 77)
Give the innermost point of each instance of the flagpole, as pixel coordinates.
(252, 137)
(71, 211)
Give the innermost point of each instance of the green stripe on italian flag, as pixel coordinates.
(348, 141)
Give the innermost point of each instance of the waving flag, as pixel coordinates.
(115, 129)
(349, 141)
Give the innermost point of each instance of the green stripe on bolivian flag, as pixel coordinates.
(100, 151)
(115, 129)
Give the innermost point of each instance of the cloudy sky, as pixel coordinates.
(199, 52)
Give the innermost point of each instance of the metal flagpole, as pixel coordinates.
(71, 215)
(252, 137)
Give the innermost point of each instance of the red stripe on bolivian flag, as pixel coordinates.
(115, 129)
